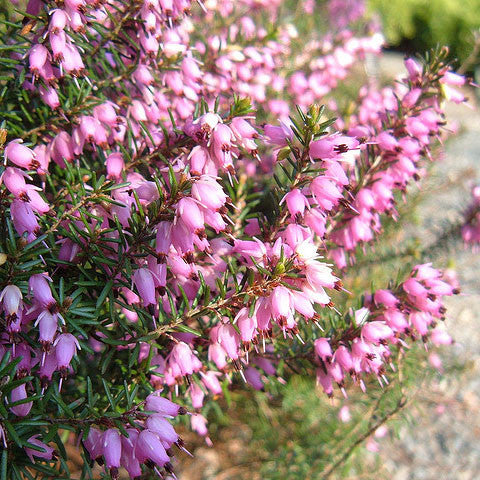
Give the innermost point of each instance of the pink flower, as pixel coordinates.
(323, 349)
(183, 356)
(325, 380)
(296, 203)
(11, 297)
(128, 459)
(199, 425)
(254, 378)
(229, 339)
(66, 346)
(325, 192)
(37, 56)
(385, 297)
(112, 448)
(196, 395)
(278, 135)
(344, 358)
(163, 406)
(210, 380)
(191, 215)
(281, 302)
(47, 454)
(332, 147)
(19, 154)
(39, 287)
(413, 68)
(48, 326)
(163, 428)
(149, 447)
(441, 337)
(246, 325)
(209, 193)
(115, 165)
(217, 355)
(17, 394)
(143, 280)
(376, 331)
(58, 21)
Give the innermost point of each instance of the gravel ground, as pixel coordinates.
(444, 441)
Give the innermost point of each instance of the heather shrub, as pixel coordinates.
(186, 190)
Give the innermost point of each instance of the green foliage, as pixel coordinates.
(423, 24)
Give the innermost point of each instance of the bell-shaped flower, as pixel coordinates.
(17, 394)
(149, 447)
(11, 297)
(323, 349)
(112, 448)
(39, 287)
(229, 339)
(162, 405)
(158, 424)
(19, 154)
(143, 280)
(66, 346)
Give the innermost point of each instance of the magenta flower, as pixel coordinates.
(47, 454)
(11, 297)
(94, 443)
(128, 459)
(229, 339)
(48, 326)
(145, 284)
(163, 406)
(323, 349)
(149, 447)
(163, 428)
(19, 154)
(17, 394)
(66, 346)
(112, 448)
(40, 289)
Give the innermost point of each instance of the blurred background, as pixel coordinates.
(413, 26)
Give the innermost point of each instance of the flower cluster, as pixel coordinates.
(149, 443)
(388, 320)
